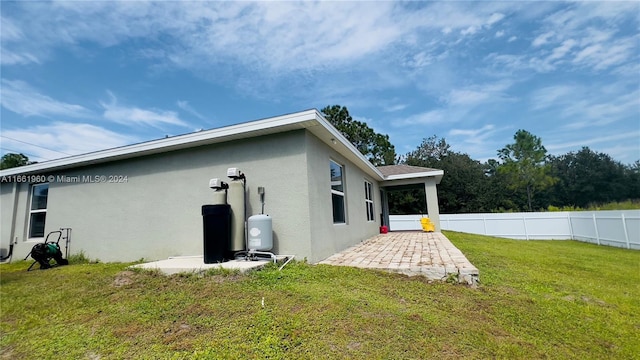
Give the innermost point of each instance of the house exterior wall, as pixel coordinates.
(328, 238)
(156, 213)
(13, 199)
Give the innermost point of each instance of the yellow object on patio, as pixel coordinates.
(427, 225)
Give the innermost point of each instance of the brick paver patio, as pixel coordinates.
(412, 253)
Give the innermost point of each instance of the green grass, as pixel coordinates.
(537, 299)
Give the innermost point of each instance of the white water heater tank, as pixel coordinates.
(260, 232)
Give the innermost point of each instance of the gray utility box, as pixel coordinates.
(260, 232)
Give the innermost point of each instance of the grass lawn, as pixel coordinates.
(537, 299)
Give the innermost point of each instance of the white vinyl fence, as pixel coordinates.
(614, 228)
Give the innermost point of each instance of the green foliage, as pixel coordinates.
(374, 146)
(78, 258)
(587, 177)
(536, 298)
(615, 205)
(525, 179)
(467, 186)
(11, 160)
(524, 162)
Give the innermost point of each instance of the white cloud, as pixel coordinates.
(469, 31)
(137, 116)
(271, 37)
(394, 108)
(11, 58)
(499, 34)
(466, 97)
(478, 94)
(184, 105)
(494, 18)
(586, 106)
(480, 141)
(551, 96)
(21, 98)
(424, 118)
(604, 55)
(591, 141)
(473, 133)
(542, 39)
(512, 39)
(588, 34)
(560, 51)
(60, 137)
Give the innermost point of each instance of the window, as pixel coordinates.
(337, 193)
(38, 210)
(368, 200)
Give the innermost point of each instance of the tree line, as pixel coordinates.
(524, 177)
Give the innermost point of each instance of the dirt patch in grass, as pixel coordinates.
(124, 278)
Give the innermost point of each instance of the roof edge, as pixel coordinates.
(160, 145)
(415, 175)
(302, 120)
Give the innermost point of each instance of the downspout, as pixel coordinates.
(12, 233)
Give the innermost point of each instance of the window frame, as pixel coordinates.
(338, 193)
(369, 204)
(37, 211)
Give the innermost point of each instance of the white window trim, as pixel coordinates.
(36, 211)
(368, 199)
(340, 193)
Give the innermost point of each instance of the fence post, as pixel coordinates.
(524, 222)
(595, 225)
(484, 224)
(570, 225)
(626, 235)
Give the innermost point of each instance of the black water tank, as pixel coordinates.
(216, 220)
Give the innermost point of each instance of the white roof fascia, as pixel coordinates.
(300, 120)
(167, 144)
(415, 175)
(356, 154)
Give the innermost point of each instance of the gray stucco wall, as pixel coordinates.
(328, 238)
(13, 198)
(156, 213)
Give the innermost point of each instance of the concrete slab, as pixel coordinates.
(195, 264)
(413, 253)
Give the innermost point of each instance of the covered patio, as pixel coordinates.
(401, 176)
(412, 253)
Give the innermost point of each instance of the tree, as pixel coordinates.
(494, 194)
(524, 163)
(431, 151)
(464, 182)
(587, 177)
(376, 147)
(11, 160)
(633, 179)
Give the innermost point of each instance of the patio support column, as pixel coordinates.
(385, 207)
(431, 194)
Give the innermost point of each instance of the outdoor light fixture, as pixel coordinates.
(217, 184)
(235, 173)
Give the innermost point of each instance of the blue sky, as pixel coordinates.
(84, 76)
